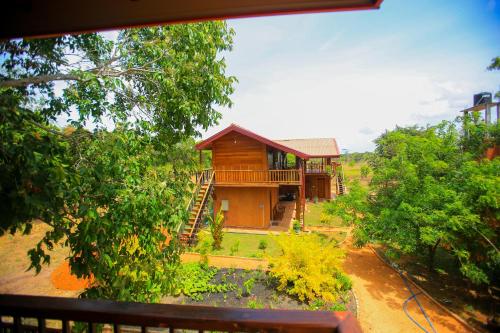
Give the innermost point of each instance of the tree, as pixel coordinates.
(352, 206)
(112, 197)
(428, 192)
(495, 65)
(364, 171)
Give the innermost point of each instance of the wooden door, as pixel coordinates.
(321, 188)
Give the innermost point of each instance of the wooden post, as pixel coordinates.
(297, 203)
(498, 112)
(303, 194)
(487, 114)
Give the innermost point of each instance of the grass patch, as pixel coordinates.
(337, 236)
(241, 245)
(314, 216)
(353, 172)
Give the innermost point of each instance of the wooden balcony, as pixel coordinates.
(318, 168)
(257, 177)
(121, 317)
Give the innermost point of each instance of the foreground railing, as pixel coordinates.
(257, 176)
(148, 317)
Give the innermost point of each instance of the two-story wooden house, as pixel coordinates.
(253, 180)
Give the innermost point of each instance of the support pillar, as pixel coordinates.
(498, 112)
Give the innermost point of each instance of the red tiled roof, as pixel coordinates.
(321, 147)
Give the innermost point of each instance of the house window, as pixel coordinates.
(224, 206)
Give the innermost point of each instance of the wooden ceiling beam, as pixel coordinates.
(46, 18)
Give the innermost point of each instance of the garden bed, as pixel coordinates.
(261, 295)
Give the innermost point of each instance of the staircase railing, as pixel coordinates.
(201, 179)
(341, 188)
(202, 211)
(205, 177)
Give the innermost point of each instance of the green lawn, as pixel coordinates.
(242, 245)
(314, 217)
(248, 244)
(338, 236)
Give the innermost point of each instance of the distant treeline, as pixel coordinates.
(357, 157)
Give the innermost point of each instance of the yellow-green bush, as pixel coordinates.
(309, 268)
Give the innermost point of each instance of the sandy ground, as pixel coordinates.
(381, 293)
(14, 262)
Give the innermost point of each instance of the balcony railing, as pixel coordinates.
(118, 317)
(291, 176)
(313, 167)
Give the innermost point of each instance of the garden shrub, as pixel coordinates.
(255, 304)
(296, 225)
(325, 218)
(248, 285)
(262, 244)
(194, 279)
(239, 293)
(216, 225)
(204, 246)
(338, 307)
(364, 171)
(234, 248)
(309, 268)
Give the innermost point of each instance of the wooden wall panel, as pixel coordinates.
(318, 186)
(234, 151)
(249, 207)
(274, 198)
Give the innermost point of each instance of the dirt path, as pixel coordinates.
(14, 262)
(381, 293)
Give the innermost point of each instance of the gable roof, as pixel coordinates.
(303, 148)
(322, 147)
(207, 144)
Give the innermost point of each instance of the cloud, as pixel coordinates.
(366, 131)
(351, 102)
(352, 81)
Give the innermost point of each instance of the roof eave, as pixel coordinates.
(320, 156)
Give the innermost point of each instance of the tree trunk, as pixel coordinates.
(432, 255)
